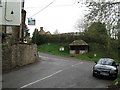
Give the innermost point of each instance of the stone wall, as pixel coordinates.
(10, 33)
(72, 52)
(18, 55)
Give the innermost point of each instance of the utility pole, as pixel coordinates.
(22, 26)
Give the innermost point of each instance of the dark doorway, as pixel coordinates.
(77, 51)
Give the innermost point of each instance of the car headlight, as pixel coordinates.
(113, 71)
(97, 69)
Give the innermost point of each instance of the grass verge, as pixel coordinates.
(116, 83)
(53, 48)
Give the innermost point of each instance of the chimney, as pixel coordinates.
(41, 28)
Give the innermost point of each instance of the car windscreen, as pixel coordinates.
(105, 61)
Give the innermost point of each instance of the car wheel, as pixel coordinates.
(94, 74)
(115, 76)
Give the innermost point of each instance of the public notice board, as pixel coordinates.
(31, 21)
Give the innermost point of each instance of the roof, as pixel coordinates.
(48, 32)
(78, 42)
(42, 32)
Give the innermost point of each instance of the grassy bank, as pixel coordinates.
(53, 48)
(116, 83)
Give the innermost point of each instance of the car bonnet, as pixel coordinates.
(100, 66)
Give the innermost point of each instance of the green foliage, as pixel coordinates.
(103, 11)
(53, 48)
(35, 36)
(96, 33)
(116, 83)
(97, 27)
(39, 39)
(42, 39)
(27, 31)
(86, 57)
(96, 36)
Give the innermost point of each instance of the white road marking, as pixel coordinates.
(77, 64)
(57, 59)
(40, 79)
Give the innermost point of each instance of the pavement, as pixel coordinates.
(53, 71)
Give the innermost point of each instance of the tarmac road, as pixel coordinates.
(54, 71)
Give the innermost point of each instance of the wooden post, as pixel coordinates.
(22, 26)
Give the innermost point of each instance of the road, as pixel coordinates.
(53, 71)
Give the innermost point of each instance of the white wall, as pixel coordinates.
(6, 18)
(72, 52)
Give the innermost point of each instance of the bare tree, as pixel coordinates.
(56, 31)
(105, 11)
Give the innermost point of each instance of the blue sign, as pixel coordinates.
(31, 21)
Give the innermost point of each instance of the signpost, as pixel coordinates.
(31, 21)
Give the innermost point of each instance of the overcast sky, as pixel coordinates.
(61, 14)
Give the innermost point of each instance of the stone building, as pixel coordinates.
(42, 32)
(48, 33)
(12, 26)
(12, 21)
(78, 47)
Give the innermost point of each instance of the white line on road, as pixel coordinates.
(56, 59)
(40, 79)
(77, 64)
